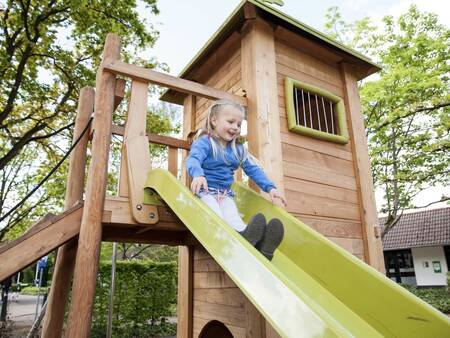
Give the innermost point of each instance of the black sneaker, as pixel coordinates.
(272, 238)
(255, 229)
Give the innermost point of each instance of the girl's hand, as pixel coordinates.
(197, 183)
(274, 193)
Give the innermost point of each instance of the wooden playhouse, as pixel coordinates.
(305, 126)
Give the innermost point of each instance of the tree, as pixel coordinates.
(407, 107)
(49, 50)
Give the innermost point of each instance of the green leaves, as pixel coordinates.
(49, 50)
(407, 105)
(146, 293)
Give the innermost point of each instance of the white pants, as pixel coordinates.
(226, 209)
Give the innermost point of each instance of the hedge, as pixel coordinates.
(437, 297)
(34, 290)
(145, 294)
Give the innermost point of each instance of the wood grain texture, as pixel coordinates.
(229, 315)
(47, 236)
(318, 175)
(185, 292)
(172, 82)
(259, 80)
(374, 251)
(332, 227)
(65, 258)
(314, 159)
(86, 265)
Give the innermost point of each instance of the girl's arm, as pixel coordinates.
(258, 175)
(198, 153)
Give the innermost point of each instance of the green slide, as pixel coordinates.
(312, 287)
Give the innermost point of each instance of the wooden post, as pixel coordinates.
(188, 126)
(259, 80)
(372, 245)
(186, 253)
(65, 258)
(86, 265)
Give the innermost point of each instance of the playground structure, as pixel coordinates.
(313, 287)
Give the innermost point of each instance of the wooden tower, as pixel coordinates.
(294, 79)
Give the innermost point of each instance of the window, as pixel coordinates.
(400, 266)
(315, 112)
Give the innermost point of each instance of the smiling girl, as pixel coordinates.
(214, 157)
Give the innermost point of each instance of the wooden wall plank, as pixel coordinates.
(206, 264)
(229, 315)
(228, 296)
(352, 245)
(213, 279)
(308, 46)
(284, 71)
(317, 160)
(306, 63)
(321, 206)
(332, 227)
(318, 175)
(321, 190)
(316, 145)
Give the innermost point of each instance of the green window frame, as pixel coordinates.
(337, 112)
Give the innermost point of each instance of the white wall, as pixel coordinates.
(426, 275)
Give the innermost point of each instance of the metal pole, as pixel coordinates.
(111, 291)
(41, 271)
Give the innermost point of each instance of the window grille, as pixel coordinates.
(315, 112)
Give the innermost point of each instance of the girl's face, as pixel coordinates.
(227, 123)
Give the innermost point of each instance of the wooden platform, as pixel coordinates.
(54, 230)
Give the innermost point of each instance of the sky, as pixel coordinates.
(185, 27)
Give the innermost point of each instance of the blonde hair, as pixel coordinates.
(208, 129)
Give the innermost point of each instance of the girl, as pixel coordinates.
(214, 156)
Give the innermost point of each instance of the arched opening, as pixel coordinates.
(215, 329)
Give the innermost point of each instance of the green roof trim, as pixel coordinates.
(237, 15)
(342, 137)
(311, 31)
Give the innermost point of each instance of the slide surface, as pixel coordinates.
(312, 287)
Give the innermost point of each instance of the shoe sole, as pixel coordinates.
(273, 236)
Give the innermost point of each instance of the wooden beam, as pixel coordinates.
(173, 161)
(119, 92)
(185, 253)
(373, 251)
(65, 258)
(189, 114)
(259, 80)
(86, 266)
(117, 212)
(46, 236)
(156, 139)
(185, 308)
(138, 154)
(172, 82)
(120, 234)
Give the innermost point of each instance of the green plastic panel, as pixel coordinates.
(289, 85)
(312, 287)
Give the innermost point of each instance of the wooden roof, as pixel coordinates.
(236, 20)
(419, 229)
